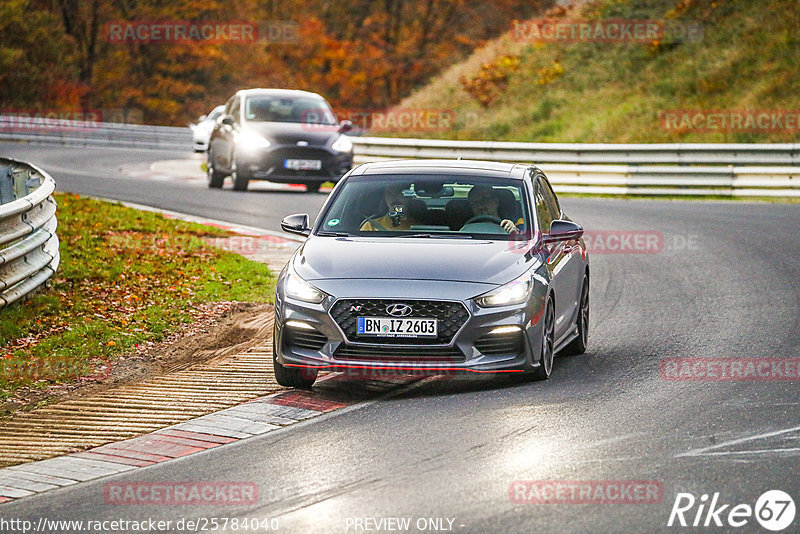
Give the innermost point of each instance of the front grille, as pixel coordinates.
(399, 354)
(305, 339)
(500, 344)
(451, 316)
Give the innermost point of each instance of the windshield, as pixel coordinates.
(307, 110)
(216, 112)
(428, 206)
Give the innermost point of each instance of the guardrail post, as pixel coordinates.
(6, 184)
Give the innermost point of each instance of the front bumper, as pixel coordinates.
(200, 144)
(307, 335)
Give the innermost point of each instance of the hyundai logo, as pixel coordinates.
(399, 310)
(302, 143)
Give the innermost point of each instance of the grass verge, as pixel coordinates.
(744, 59)
(126, 276)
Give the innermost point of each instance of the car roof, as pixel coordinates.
(277, 92)
(444, 166)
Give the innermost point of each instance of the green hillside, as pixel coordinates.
(747, 59)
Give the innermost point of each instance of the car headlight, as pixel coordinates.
(249, 140)
(343, 144)
(516, 291)
(299, 289)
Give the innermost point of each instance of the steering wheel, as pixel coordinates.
(374, 223)
(484, 219)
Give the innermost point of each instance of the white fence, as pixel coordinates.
(28, 241)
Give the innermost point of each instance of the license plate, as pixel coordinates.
(390, 327)
(303, 164)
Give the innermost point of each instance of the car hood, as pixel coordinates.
(289, 133)
(458, 260)
(205, 126)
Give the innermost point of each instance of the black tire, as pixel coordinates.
(213, 176)
(578, 345)
(313, 187)
(548, 343)
(292, 377)
(240, 180)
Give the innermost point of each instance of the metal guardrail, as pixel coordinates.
(28, 241)
(762, 170)
(90, 133)
(737, 170)
(580, 153)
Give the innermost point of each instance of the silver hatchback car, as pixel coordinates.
(434, 266)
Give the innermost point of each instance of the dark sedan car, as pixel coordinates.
(433, 266)
(280, 135)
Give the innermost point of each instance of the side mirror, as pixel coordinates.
(345, 126)
(201, 118)
(227, 119)
(296, 224)
(561, 230)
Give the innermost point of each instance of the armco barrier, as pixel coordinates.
(88, 133)
(736, 170)
(767, 154)
(28, 241)
(763, 170)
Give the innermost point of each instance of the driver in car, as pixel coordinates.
(484, 203)
(397, 218)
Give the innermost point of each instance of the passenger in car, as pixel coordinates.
(397, 217)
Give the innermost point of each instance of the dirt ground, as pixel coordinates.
(221, 329)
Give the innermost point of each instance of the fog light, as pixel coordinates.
(505, 330)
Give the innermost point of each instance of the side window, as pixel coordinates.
(543, 213)
(549, 198)
(235, 110)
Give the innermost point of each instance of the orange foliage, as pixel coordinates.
(357, 53)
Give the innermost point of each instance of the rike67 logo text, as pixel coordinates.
(774, 510)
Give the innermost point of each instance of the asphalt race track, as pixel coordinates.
(723, 284)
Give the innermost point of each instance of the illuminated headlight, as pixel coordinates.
(249, 140)
(299, 289)
(515, 292)
(343, 144)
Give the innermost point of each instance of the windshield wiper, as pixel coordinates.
(438, 236)
(333, 234)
